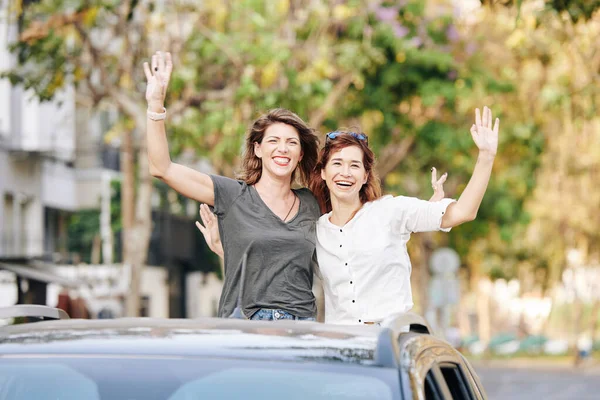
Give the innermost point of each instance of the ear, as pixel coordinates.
(301, 155)
(366, 179)
(257, 150)
(323, 174)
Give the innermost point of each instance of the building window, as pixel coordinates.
(6, 244)
(144, 306)
(13, 241)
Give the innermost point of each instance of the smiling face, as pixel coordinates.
(280, 150)
(345, 174)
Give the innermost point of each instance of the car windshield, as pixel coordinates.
(115, 378)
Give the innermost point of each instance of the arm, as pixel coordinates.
(188, 182)
(486, 139)
(210, 229)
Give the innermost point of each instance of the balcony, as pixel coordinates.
(24, 146)
(29, 127)
(20, 245)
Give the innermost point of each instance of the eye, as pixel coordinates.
(336, 163)
(355, 166)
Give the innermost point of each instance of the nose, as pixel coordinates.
(346, 170)
(282, 147)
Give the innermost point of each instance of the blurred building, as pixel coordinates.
(50, 167)
(54, 164)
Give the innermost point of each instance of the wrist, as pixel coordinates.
(486, 156)
(156, 106)
(157, 116)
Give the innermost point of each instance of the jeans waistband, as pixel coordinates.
(276, 314)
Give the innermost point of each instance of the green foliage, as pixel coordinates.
(82, 228)
(576, 9)
(416, 75)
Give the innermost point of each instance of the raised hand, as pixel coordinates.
(210, 230)
(485, 137)
(437, 185)
(158, 79)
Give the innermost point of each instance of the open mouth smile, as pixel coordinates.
(281, 161)
(344, 184)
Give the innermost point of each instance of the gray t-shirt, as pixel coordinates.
(279, 271)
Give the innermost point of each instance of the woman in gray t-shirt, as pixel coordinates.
(259, 214)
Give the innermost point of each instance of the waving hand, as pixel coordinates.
(158, 78)
(485, 137)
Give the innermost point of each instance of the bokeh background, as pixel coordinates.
(84, 226)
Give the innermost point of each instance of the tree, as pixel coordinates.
(404, 72)
(232, 60)
(547, 55)
(417, 101)
(99, 47)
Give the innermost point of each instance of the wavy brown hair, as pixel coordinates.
(309, 143)
(370, 190)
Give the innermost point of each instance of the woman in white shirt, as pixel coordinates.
(361, 238)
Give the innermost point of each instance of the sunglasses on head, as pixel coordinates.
(360, 136)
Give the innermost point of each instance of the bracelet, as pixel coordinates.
(154, 116)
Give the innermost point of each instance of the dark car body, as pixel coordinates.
(214, 358)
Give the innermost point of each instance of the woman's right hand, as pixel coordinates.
(157, 80)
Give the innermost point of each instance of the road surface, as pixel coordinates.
(538, 382)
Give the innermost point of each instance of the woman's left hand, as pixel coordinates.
(437, 185)
(210, 230)
(485, 137)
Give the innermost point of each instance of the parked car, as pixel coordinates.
(217, 358)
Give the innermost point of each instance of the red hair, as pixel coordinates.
(370, 190)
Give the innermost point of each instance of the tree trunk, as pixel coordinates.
(426, 250)
(127, 218)
(136, 207)
(136, 214)
(594, 319)
(577, 322)
(139, 240)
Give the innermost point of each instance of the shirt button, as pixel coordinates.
(340, 230)
(346, 264)
(340, 245)
(360, 320)
(351, 282)
(354, 301)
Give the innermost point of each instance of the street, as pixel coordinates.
(503, 382)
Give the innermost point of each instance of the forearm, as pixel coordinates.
(467, 206)
(159, 159)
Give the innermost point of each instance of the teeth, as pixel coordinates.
(344, 183)
(281, 160)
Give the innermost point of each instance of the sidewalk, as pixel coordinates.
(589, 366)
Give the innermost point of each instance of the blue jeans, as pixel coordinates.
(268, 314)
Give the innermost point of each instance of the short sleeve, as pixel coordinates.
(420, 215)
(227, 190)
(311, 202)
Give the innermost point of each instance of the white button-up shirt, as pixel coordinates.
(364, 265)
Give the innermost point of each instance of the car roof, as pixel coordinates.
(219, 337)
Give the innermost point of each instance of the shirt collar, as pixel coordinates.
(327, 223)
